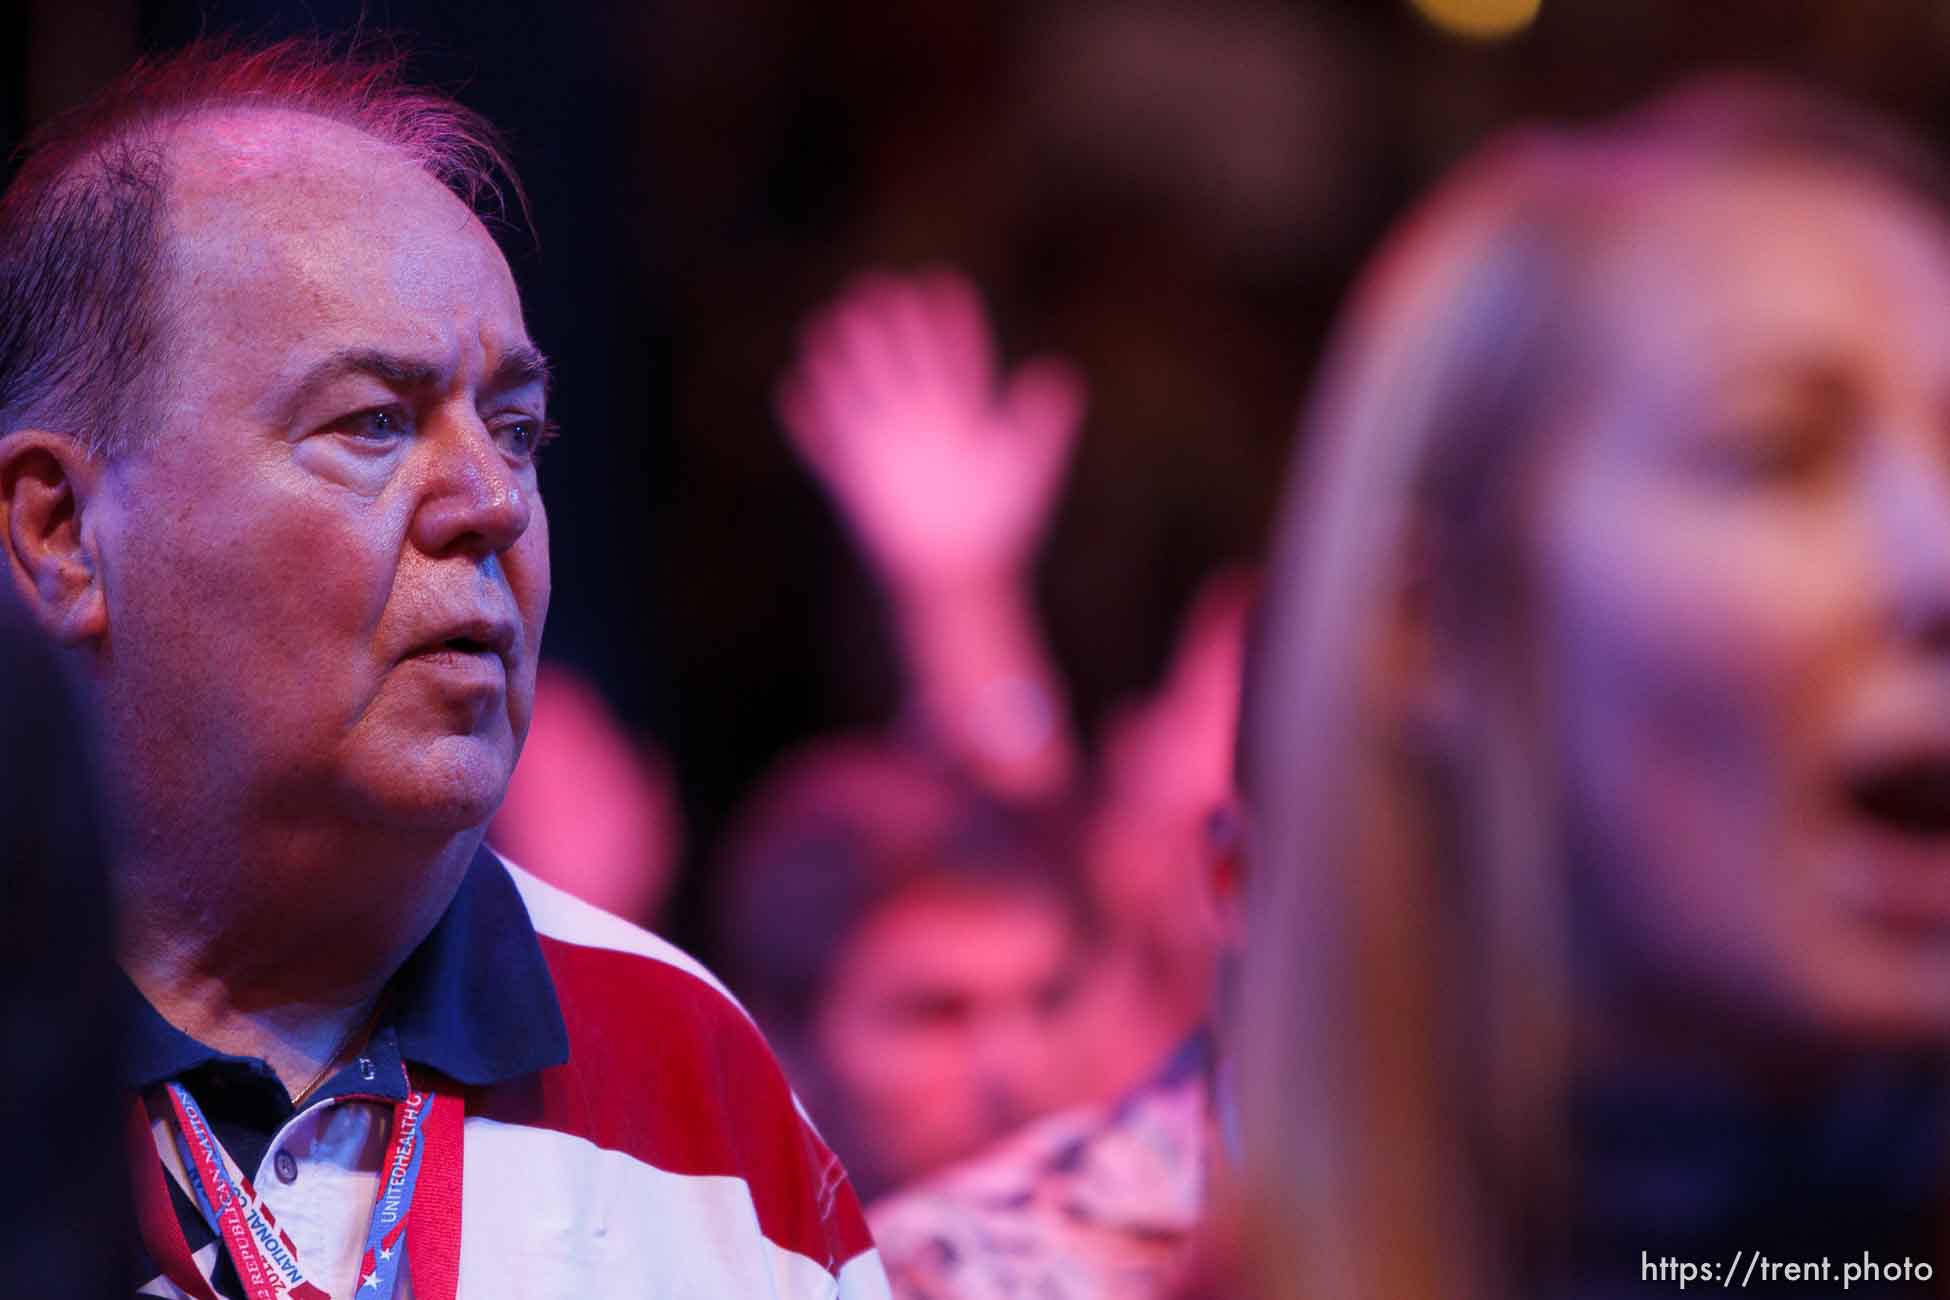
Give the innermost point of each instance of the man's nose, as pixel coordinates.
(1011, 1054)
(472, 499)
(1910, 506)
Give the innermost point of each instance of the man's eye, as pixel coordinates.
(931, 1010)
(525, 437)
(380, 424)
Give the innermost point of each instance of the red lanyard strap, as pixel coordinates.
(419, 1182)
(155, 1214)
(434, 1259)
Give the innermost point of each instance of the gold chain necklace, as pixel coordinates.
(357, 1033)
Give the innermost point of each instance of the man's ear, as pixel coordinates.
(46, 482)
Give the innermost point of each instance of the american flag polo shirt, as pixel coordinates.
(627, 1132)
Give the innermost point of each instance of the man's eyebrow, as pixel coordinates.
(389, 368)
(520, 367)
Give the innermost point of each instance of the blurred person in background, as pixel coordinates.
(1600, 760)
(947, 476)
(911, 945)
(590, 808)
(60, 1017)
(946, 469)
(1104, 1201)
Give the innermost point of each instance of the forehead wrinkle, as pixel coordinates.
(294, 173)
(292, 238)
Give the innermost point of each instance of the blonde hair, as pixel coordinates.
(1404, 1036)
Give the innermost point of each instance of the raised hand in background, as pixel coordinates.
(946, 470)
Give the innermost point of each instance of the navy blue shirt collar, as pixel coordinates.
(474, 1001)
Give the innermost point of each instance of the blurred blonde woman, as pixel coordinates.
(1598, 750)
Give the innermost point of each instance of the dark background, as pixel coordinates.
(1175, 195)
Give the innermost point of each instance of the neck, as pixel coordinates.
(278, 946)
(298, 1040)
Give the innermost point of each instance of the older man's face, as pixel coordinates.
(328, 570)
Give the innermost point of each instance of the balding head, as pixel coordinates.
(84, 303)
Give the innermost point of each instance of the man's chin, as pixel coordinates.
(447, 785)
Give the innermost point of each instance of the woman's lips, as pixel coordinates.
(1895, 879)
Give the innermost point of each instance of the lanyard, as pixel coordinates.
(264, 1256)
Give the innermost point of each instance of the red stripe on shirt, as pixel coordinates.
(664, 1068)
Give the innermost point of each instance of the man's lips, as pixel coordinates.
(469, 637)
